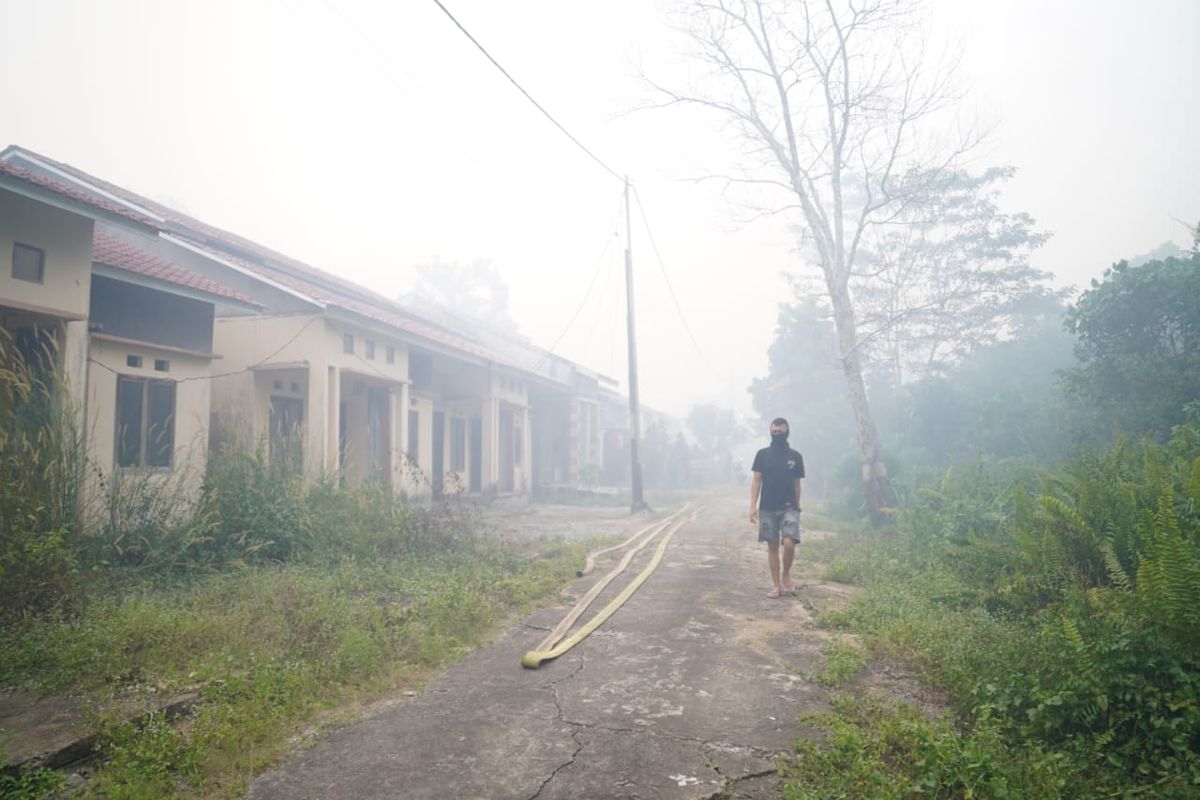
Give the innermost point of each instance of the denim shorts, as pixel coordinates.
(773, 525)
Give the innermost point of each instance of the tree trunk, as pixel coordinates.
(876, 489)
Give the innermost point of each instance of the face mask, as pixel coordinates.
(779, 439)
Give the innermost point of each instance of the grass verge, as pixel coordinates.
(1077, 700)
(272, 647)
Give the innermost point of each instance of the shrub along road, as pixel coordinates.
(691, 690)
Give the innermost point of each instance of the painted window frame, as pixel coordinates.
(41, 263)
(142, 459)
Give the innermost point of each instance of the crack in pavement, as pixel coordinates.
(731, 782)
(553, 687)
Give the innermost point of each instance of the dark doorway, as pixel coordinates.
(476, 438)
(439, 452)
(378, 432)
(506, 451)
(287, 416)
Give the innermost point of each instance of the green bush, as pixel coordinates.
(1059, 611)
(40, 471)
(257, 510)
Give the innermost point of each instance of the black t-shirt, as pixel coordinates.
(780, 467)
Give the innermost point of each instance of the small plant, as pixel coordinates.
(843, 661)
(879, 748)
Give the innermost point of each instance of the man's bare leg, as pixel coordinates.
(789, 555)
(773, 563)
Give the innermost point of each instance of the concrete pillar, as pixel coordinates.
(74, 357)
(399, 429)
(316, 424)
(526, 452)
(333, 431)
(489, 413)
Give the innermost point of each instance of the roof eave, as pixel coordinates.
(170, 287)
(63, 202)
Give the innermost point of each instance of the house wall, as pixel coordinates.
(333, 378)
(66, 241)
(193, 392)
(419, 484)
(510, 393)
(242, 390)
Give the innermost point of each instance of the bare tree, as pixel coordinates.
(831, 101)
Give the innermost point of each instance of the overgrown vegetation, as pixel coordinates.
(41, 465)
(279, 603)
(1056, 611)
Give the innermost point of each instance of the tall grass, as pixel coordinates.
(1057, 612)
(41, 469)
(278, 600)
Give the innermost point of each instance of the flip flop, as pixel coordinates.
(774, 594)
(788, 588)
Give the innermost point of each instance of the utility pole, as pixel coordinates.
(635, 419)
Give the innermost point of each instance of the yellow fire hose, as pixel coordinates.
(534, 658)
(586, 600)
(590, 564)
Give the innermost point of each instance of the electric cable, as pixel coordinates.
(528, 96)
(670, 289)
(608, 243)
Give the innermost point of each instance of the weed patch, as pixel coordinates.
(271, 647)
(878, 748)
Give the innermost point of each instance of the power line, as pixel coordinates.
(377, 58)
(600, 262)
(601, 303)
(662, 266)
(528, 96)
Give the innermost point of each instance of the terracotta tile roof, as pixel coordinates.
(72, 193)
(121, 255)
(383, 310)
(308, 280)
(201, 231)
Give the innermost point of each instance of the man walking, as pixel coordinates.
(777, 473)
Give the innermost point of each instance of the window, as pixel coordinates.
(28, 263)
(370, 350)
(162, 365)
(458, 444)
(133, 361)
(348, 343)
(391, 354)
(414, 436)
(145, 422)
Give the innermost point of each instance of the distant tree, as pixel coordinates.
(804, 383)
(1000, 400)
(475, 290)
(836, 107)
(1164, 251)
(1138, 344)
(947, 278)
(715, 428)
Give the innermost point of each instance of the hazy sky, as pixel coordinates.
(368, 137)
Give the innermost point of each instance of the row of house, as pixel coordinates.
(176, 338)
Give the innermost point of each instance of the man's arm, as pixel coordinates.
(798, 494)
(755, 489)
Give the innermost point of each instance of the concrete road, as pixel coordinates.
(690, 690)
